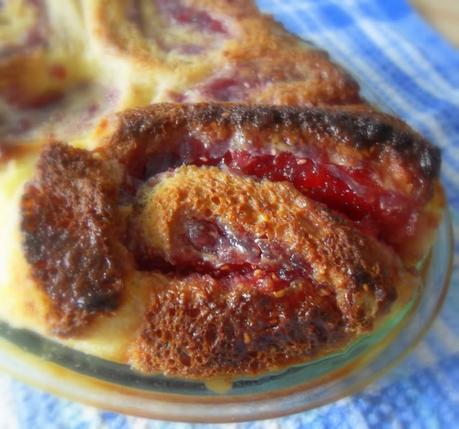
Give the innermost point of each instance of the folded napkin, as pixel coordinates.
(415, 73)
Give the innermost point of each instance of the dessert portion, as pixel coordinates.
(243, 228)
(198, 239)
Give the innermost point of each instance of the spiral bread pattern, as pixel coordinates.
(258, 214)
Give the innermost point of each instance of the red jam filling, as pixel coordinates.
(177, 13)
(234, 257)
(206, 247)
(349, 191)
(235, 83)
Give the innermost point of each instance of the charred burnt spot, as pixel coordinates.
(369, 131)
(359, 129)
(430, 161)
(68, 220)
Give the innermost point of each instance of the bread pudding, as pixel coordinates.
(189, 189)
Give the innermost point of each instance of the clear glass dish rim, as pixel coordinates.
(37, 371)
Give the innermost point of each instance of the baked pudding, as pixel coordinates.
(259, 214)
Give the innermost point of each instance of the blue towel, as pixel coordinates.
(414, 72)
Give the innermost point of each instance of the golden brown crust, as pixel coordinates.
(188, 50)
(398, 160)
(195, 328)
(76, 241)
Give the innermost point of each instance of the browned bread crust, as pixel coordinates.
(193, 327)
(372, 136)
(242, 319)
(71, 237)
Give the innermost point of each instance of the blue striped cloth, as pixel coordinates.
(414, 72)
